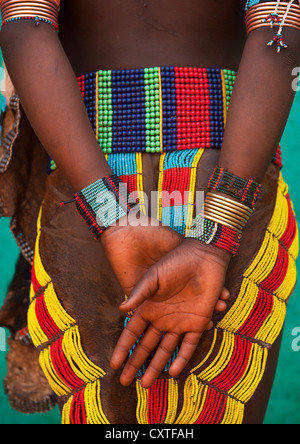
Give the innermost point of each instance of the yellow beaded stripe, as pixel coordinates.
(68, 343)
(224, 97)
(140, 182)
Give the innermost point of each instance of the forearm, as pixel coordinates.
(50, 96)
(260, 104)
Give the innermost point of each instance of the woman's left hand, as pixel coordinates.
(175, 300)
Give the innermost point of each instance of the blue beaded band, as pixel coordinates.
(160, 109)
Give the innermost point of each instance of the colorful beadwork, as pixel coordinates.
(245, 190)
(176, 188)
(219, 387)
(158, 110)
(103, 203)
(250, 3)
(69, 371)
(212, 233)
(35, 18)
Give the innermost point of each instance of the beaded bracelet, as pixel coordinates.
(213, 233)
(41, 11)
(221, 223)
(245, 190)
(103, 203)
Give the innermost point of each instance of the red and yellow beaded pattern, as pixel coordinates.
(55, 333)
(219, 387)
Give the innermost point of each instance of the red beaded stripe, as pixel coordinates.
(236, 366)
(229, 240)
(118, 193)
(62, 368)
(77, 411)
(193, 108)
(44, 319)
(158, 402)
(276, 278)
(89, 216)
(35, 283)
(213, 408)
(260, 312)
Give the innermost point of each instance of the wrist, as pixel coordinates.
(220, 255)
(228, 207)
(103, 204)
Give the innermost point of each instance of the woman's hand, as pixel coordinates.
(132, 250)
(175, 300)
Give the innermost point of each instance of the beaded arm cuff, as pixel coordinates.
(224, 219)
(245, 190)
(269, 14)
(103, 203)
(45, 11)
(213, 233)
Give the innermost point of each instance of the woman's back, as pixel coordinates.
(133, 34)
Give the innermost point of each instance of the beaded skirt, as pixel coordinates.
(161, 129)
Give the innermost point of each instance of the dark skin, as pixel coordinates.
(179, 292)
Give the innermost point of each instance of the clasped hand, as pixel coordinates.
(174, 291)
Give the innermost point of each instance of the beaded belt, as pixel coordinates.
(157, 110)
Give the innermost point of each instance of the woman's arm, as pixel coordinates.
(51, 98)
(178, 293)
(260, 105)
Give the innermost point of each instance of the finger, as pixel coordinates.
(220, 306)
(143, 350)
(160, 360)
(145, 288)
(131, 334)
(186, 352)
(225, 295)
(210, 326)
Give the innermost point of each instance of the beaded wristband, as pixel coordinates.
(213, 233)
(222, 222)
(103, 203)
(245, 190)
